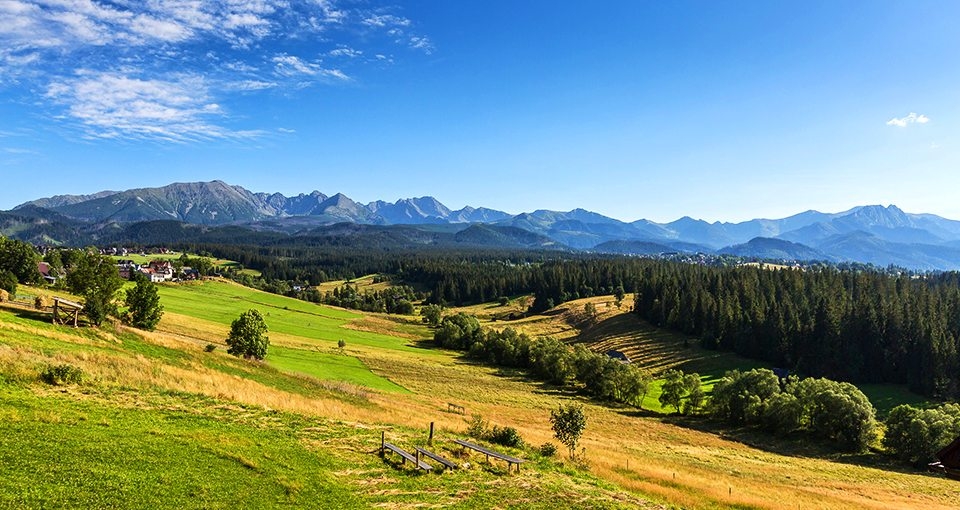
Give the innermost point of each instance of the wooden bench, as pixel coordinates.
(490, 453)
(405, 455)
(454, 408)
(446, 463)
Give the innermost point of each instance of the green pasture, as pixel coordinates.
(329, 367)
(146, 259)
(61, 452)
(222, 302)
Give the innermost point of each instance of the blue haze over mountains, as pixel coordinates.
(871, 234)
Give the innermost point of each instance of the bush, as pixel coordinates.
(61, 375)
(548, 449)
(477, 428)
(8, 282)
(506, 436)
(210, 348)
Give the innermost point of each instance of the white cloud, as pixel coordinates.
(912, 118)
(386, 20)
(345, 52)
(291, 66)
(132, 68)
(422, 43)
(116, 105)
(252, 85)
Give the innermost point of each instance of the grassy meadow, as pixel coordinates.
(157, 421)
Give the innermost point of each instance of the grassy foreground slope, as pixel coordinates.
(308, 442)
(158, 422)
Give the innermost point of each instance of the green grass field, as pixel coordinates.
(329, 367)
(222, 302)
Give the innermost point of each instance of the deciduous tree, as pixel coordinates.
(248, 336)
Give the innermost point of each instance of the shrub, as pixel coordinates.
(61, 375)
(8, 282)
(210, 348)
(506, 436)
(477, 428)
(548, 449)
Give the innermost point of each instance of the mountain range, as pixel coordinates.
(871, 234)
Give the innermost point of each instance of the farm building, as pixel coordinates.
(949, 460)
(619, 356)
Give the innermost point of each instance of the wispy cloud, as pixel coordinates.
(160, 69)
(911, 118)
(115, 105)
(345, 51)
(292, 66)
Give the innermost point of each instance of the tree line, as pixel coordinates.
(546, 358)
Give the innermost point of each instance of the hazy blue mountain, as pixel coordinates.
(886, 223)
(505, 237)
(411, 211)
(876, 234)
(774, 249)
(200, 202)
(865, 247)
(634, 248)
(477, 215)
(300, 205)
(714, 235)
(62, 200)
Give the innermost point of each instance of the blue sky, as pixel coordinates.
(717, 110)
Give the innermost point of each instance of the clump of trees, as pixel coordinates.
(546, 358)
(248, 336)
(432, 314)
(682, 391)
(836, 411)
(396, 299)
(916, 435)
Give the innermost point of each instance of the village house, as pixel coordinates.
(127, 268)
(160, 270)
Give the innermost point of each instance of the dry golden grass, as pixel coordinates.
(685, 467)
(363, 284)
